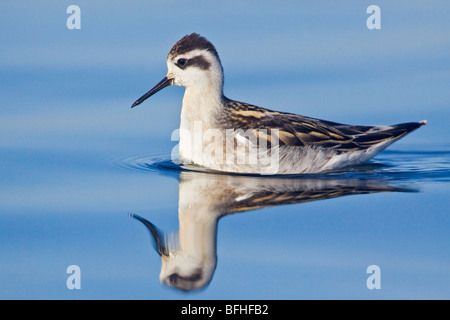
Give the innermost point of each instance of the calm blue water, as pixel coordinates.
(76, 163)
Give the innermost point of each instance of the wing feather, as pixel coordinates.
(300, 131)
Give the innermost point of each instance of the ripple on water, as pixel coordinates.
(390, 165)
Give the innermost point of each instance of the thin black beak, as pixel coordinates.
(161, 85)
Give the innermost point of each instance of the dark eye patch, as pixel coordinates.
(198, 61)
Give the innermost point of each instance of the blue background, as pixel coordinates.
(65, 120)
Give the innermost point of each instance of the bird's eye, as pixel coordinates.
(181, 62)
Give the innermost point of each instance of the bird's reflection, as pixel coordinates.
(189, 256)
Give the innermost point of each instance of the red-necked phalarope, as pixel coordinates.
(227, 135)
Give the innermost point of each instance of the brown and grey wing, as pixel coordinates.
(299, 131)
(302, 131)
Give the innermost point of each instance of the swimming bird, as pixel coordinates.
(227, 135)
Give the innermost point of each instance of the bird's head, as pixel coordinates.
(193, 62)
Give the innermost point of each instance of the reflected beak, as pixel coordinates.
(161, 85)
(156, 234)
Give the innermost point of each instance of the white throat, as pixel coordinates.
(202, 101)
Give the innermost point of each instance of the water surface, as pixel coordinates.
(77, 164)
